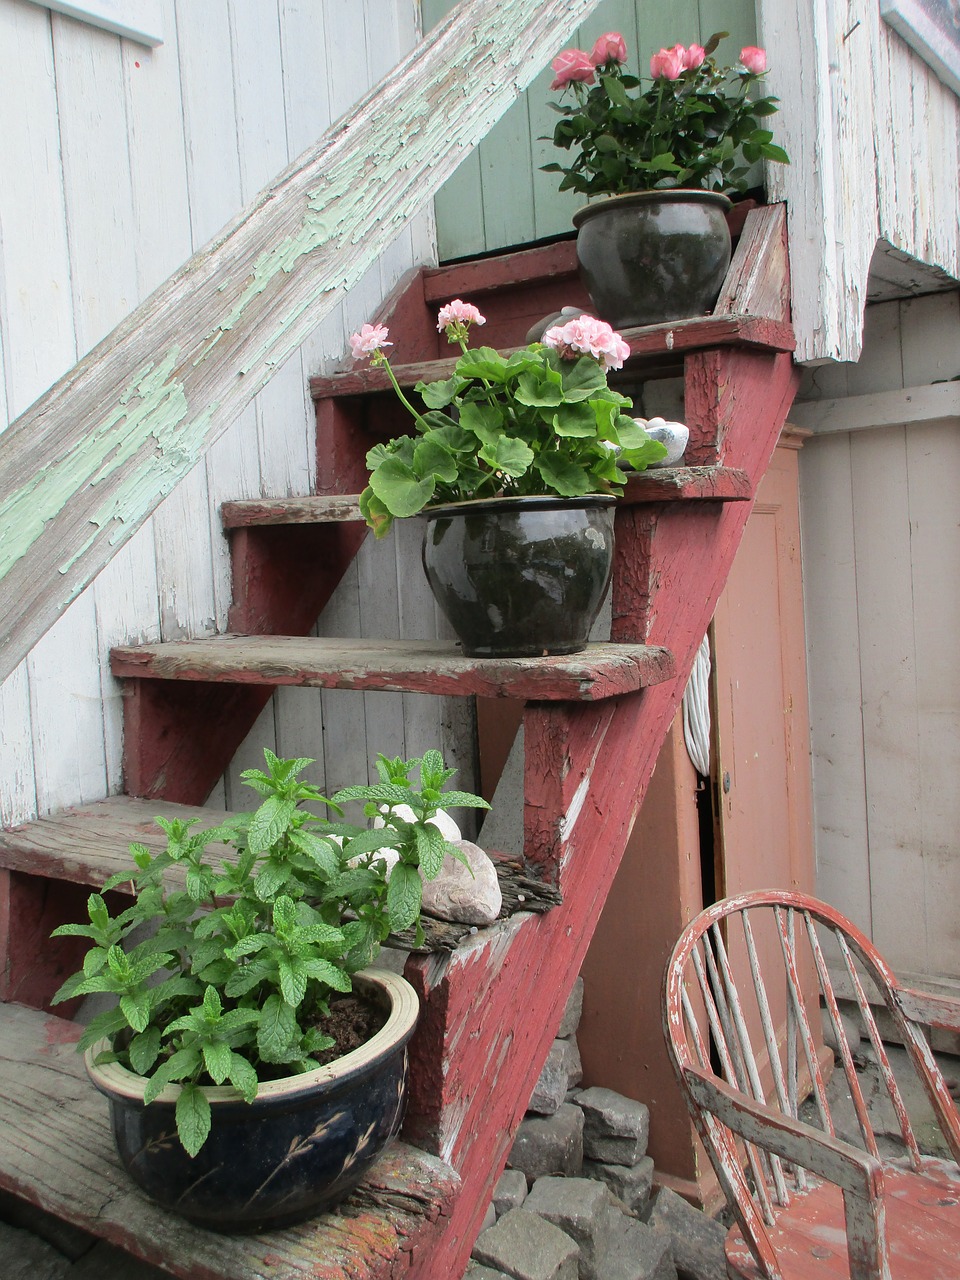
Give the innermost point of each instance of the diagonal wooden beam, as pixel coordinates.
(86, 464)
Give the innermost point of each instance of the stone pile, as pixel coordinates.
(575, 1201)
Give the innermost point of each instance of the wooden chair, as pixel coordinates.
(743, 1035)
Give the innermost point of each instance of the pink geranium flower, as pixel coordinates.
(460, 312)
(668, 64)
(569, 66)
(754, 59)
(370, 339)
(609, 48)
(586, 336)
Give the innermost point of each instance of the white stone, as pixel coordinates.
(457, 895)
(672, 435)
(441, 820)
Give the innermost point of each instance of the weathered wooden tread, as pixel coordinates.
(57, 1151)
(659, 484)
(244, 513)
(652, 341)
(398, 666)
(89, 843)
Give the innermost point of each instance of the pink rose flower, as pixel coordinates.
(370, 339)
(668, 64)
(609, 48)
(586, 336)
(572, 64)
(458, 311)
(694, 57)
(754, 59)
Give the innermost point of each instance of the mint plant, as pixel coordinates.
(244, 953)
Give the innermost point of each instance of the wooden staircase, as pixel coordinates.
(593, 725)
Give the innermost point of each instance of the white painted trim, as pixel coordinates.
(139, 20)
(882, 409)
(915, 23)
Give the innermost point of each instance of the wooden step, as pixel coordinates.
(659, 484)
(652, 342)
(57, 1151)
(398, 666)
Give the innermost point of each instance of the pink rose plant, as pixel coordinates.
(570, 67)
(754, 59)
(610, 47)
(699, 125)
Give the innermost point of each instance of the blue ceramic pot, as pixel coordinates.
(298, 1148)
(520, 577)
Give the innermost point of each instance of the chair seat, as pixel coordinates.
(810, 1239)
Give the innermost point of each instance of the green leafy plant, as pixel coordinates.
(243, 954)
(695, 126)
(540, 421)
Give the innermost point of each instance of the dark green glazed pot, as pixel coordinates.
(520, 577)
(652, 256)
(300, 1147)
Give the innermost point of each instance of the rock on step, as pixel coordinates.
(615, 1128)
(577, 1206)
(629, 1183)
(553, 1144)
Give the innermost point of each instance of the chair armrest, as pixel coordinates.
(844, 1165)
(931, 1010)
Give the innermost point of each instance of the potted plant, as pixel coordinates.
(666, 158)
(516, 463)
(254, 1063)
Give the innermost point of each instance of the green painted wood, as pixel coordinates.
(85, 465)
(501, 199)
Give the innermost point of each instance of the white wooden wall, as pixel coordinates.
(874, 140)
(116, 163)
(881, 563)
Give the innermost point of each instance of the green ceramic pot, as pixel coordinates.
(520, 577)
(652, 256)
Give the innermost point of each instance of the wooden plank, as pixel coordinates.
(690, 484)
(86, 844)
(308, 510)
(671, 339)
(87, 463)
(601, 671)
(57, 1151)
(758, 281)
(486, 275)
(661, 484)
(881, 409)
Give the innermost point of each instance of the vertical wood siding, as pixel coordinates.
(499, 198)
(881, 554)
(874, 139)
(120, 162)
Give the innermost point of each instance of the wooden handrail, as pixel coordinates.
(89, 461)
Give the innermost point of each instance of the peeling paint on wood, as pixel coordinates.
(215, 332)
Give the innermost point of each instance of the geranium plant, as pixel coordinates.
(540, 421)
(237, 972)
(695, 125)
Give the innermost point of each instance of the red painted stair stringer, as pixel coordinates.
(491, 1009)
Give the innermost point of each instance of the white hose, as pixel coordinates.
(696, 710)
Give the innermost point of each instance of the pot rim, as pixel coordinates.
(538, 502)
(678, 195)
(112, 1078)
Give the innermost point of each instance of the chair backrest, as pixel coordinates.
(743, 993)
